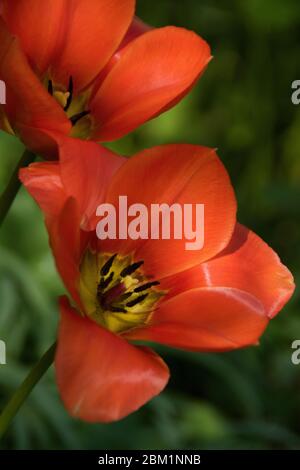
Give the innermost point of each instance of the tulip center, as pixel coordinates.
(115, 292)
(75, 107)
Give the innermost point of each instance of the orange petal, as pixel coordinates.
(183, 174)
(28, 102)
(69, 203)
(39, 25)
(152, 71)
(84, 173)
(43, 182)
(94, 31)
(101, 377)
(39, 141)
(249, 264)
(86, 170)
(207, 319)
(66, 244)
(136, 29)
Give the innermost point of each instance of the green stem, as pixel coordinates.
(25, 389)
(9, 194)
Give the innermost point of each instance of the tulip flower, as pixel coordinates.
(216, 299)
(90, 69)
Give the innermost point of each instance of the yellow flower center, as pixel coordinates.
(75, 107)
(115, 293)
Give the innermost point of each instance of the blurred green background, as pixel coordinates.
(246, 399)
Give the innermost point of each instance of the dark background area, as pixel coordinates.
(246, 399)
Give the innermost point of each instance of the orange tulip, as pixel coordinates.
(218, 298)
(87, 68)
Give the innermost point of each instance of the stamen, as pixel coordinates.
(136, 301)
(104, 283)
(70, 97)
(125, 296)
(131, 269)
(50, 87)
(74, 119)
(118, 309)
(106, 267)
(146, 286)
